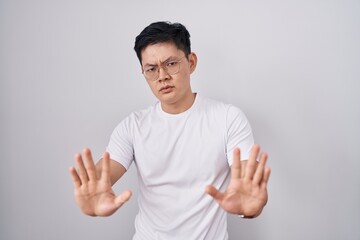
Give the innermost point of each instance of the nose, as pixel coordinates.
(163, 75)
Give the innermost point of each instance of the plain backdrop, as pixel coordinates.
(69, 75)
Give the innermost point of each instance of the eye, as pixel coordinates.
(150, 69)
(171, 64)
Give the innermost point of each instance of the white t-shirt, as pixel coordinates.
(177, 156)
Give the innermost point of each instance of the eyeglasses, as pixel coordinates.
(171, 67)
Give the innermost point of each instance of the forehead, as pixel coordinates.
(159, 52)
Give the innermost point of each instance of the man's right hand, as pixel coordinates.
(93, 191)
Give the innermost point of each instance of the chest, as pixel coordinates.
(182, 152)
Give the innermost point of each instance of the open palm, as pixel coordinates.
(246, 193)
(93, 193)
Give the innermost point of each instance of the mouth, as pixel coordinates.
(166, 89)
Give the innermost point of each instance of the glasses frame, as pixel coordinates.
(165, 69)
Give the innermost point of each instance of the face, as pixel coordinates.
(173, 91)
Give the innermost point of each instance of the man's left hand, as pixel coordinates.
(246, 194)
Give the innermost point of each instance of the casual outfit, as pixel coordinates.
(177, 156)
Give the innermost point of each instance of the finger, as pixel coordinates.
(243, 167)
(266, 177)
(236, 165)
(75, 177)
(212, 191)
(252, 162)
(89, 164)
(81, 169)
(259, 174)
(105, 172)
(123, 198)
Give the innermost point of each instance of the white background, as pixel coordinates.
(68, 75)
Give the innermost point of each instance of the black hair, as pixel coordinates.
(160, 32)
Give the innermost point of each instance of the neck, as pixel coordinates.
(179, 107)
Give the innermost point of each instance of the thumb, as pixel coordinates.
(212, 191)
(123, 198)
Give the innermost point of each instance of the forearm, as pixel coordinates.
(116, 170)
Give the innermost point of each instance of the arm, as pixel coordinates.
(92, 184)
(246, 193)
(117, 170)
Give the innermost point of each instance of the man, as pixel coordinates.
(182, 147)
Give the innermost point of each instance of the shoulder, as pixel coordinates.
(138, 117)
(216, 109)
(211, 104)
(143, 113)
(215, 105)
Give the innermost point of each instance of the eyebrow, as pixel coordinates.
(166, 60)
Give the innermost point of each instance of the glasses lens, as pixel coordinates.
(151, 72)
(173, 67)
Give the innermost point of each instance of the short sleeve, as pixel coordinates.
(239, 134)
(120, 146)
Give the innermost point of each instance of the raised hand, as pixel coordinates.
(247, 191)
(92, 190)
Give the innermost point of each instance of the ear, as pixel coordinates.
(192, 61)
